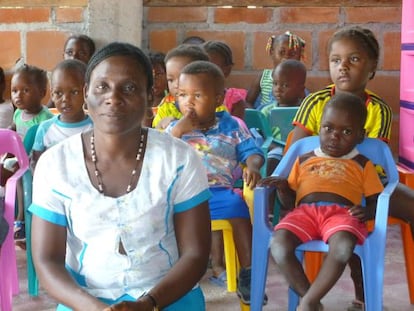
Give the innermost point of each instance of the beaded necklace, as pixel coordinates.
(134, 171)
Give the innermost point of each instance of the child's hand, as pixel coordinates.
(251, 177)
(358, 211)
(274, 181)
(164, 123)
(186, 124)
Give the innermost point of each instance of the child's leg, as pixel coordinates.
(242, 234)
(341, 248)
(356, 275)
(217, 253)
(283, 248)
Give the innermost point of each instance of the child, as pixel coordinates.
(221, 55)
(324, 190)
(6, 107)
(67, 82)
(160, 87)
(28, 87)
(288, 90)
(175, 60)
(280, 48)
(221, 144)
(79, 47)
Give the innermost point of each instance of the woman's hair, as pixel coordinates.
(295, 42)
(121, 49)
(191, 51)
(362, 36)
(84, 38)
(72, 64)
(220, 48)
(37, 76)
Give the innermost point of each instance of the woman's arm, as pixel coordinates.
(49, 250)
(238, 109)
(193, 233)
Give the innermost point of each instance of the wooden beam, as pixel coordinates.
(42, 3)
(273, 3)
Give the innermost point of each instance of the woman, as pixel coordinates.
(133, 213)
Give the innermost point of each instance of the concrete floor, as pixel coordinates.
(395, 288)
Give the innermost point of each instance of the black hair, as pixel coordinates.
(72, 64)
(37, 76)
(191, 51)
(362, 36)
(194, 40)
(295, 42)
(121, 49)
(157, 58)
(293, 65)
(351, 103)
(220, 48)
(84, 38)
(206, 67)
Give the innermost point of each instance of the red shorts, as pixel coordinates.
(315, 222)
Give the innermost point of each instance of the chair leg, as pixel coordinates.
(230, 256)
(313, 263)
(293, 301)
(260, 259)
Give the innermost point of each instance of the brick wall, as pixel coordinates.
(246, 31)
(37, 35)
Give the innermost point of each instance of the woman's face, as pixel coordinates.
(117, 95)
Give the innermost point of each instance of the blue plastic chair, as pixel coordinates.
(33, 282)
(372, 252)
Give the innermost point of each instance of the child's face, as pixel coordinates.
(198, 94)
(26, 93)
(160, 80)
(173, 68)
(281, 52)
(219, 60)
(117, 95)
(340, 132)
(77, 49)
(287, 88)
(67, 94)
(350, 66)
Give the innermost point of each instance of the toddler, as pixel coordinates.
(324, 190)
(222, 144)
(279, 48)
(67, 83)
(221, 55)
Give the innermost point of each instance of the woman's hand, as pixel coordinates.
(141, 304)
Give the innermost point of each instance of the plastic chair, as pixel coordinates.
(372, 252)
(33, 282)
(10, 142)
(282, 118)
(255, 119)
(232, 265)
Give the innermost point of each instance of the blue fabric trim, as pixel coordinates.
(85, 121)
(79, 278)
(45, 214)
(407, 46)
(194, 201)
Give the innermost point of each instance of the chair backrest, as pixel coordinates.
(282, 118)
(257, 120)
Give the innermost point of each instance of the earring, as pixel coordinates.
(85, 106)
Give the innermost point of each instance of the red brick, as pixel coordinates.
(24, 15)
(162, 40)
(10, 50)
(323, 56)
(310, 15)
(69, 15)
(177, 14)
(241, 79)
(316, 83)
(242, 15)
(373, 14)
(259, 55)
(234, 39)
(392, 55)
(45, 48)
